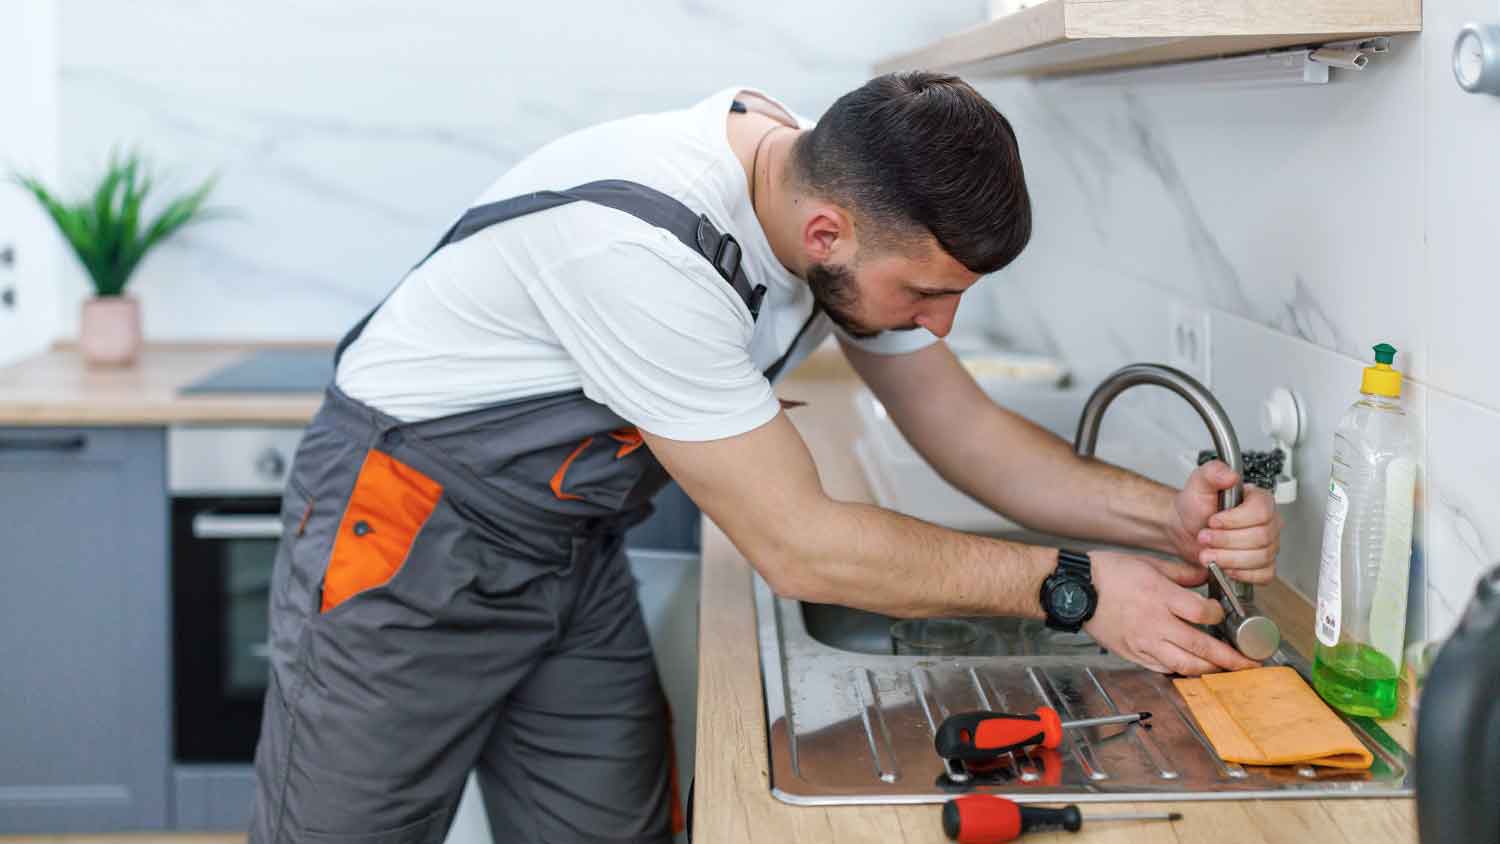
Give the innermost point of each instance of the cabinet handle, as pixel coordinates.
(67, 443)
(219, 526)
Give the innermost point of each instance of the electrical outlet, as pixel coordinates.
(1188, 341)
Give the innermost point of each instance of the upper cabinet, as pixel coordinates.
(1069, 36)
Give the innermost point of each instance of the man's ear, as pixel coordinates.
(825, 232)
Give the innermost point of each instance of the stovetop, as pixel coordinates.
(270, 371)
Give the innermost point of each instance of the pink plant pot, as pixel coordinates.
(109, 330)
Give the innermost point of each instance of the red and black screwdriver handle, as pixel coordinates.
(977, 736)
(990, 819)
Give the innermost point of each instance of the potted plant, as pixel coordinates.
(110, 235)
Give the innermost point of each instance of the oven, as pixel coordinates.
(225, 485)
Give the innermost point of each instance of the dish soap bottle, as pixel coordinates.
(1366, 555)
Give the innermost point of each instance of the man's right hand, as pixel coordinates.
(1146, 615)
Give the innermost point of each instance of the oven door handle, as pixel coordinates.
(213, 525)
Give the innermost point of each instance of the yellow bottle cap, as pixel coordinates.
(1381, 379)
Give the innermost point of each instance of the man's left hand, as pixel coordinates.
(1243, 541)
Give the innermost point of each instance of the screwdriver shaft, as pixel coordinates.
(1151, 816)
(1108, 719)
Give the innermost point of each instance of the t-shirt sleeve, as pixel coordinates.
(890, 342)
(658, 337)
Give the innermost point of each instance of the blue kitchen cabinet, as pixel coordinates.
(84, 713)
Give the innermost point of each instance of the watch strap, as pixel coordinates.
(1075, 564)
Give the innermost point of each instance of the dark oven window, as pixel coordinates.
(222, 554)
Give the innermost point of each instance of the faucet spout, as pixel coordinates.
(1255, 635)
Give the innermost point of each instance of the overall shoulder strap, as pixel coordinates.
(645, 203)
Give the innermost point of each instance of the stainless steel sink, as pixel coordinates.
(849, 722)
(864, 632)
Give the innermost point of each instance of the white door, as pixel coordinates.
(28, 143)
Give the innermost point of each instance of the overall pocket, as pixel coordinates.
(599, 474)
(388, 506)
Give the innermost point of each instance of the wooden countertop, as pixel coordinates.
(733, 801)
(57, 388)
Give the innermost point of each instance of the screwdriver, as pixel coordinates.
(972, 736)
(990, 819)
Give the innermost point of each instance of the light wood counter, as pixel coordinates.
(733, 801)
(57, 388)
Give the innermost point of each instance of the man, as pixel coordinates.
(452, 593)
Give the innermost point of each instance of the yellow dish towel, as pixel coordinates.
(1270, 716)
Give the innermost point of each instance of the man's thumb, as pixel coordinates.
(1181, 574)
(1212, 477)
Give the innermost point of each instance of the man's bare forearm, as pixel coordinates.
(1008, 463)
(874, 559)
(763, 489)
(1034, 477)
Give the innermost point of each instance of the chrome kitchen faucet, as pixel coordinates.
(1256, 636)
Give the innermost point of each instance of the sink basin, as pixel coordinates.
(860, 631)
(864, 632)
(850, 722)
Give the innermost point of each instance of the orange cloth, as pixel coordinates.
(1270, 716)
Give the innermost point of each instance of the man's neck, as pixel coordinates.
(776, 201)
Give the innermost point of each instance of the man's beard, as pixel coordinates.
(834, 290)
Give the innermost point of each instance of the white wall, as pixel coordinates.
(1311, 222)
(349, 135)
(28, 144)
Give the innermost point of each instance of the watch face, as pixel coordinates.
(1070, 601)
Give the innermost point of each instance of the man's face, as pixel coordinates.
(891, 290)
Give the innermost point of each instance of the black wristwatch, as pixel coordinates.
(1068, 595)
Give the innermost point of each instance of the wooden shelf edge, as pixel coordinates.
(1069, 36)
(1032, 28)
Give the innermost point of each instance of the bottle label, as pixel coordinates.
(1330, 589)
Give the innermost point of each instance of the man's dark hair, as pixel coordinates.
(914, 152)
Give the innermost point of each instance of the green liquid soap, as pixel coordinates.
(1356, 679)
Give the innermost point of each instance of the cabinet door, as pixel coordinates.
(83, 609)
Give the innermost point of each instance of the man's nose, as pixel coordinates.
(939, 319)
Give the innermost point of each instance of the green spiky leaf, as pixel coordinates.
(109, 231)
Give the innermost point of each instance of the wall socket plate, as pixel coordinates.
(1188, 341)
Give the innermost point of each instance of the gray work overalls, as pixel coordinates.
(453, 593)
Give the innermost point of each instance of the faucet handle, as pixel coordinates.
(1256, 636)
(1220, 588)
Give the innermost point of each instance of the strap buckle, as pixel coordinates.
(726, 260)
(727, 256)
(725, 253)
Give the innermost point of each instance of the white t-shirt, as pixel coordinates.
(584, 296)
